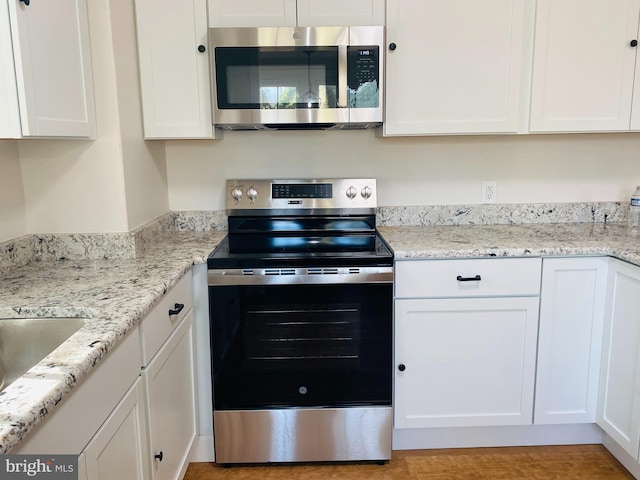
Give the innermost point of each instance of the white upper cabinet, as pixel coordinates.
(584, 64)
(252, 13)
(291, 13)
(174, 68)
(45, 70)
(319, 13)
(456, 66)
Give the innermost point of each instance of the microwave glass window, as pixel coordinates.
(277, 78)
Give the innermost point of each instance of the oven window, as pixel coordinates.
(302, 337)
(276, 77)
(301, 345)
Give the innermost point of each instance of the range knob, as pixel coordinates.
(252, 193)
(236, 194)
(352, 192)
(366, 192)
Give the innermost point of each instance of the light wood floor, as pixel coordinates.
(573, 462)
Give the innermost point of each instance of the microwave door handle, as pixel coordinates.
(343, 65)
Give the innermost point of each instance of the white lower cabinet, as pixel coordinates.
(619, 396)
(570, 337)
(170, 389)
(466, 360)
(119, 449)
(125, 424)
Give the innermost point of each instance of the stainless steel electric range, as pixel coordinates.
(300, 295)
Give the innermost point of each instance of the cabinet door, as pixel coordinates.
(570, 338)
(53, 68)
(618, 402)
(169, 382)
(252, 13)
(467, 362)
(120, 448)
(318, 13)
(583, 66)
(10, 118)
(456, 67)
(174, 73)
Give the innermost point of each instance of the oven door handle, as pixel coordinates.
(300, 276)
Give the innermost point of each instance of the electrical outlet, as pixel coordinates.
(489, 191)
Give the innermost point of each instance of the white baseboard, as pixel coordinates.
(203, 449)
(469, 437)
(623, 457)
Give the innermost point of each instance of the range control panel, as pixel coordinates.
(302, 194)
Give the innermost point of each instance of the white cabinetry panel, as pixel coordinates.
(52, 68)
(456, 68)
(468, 362)
(174, 74)
(583, 69)
(119, 449)
(291, 13)
(252, 13)
(570, 339)
(318, 13)
(169, 381)
(618, 402)
(477, 277)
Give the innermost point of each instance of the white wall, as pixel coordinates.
(413, 170)
(145, 171)
(12, 209)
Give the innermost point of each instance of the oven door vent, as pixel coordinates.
(280, 271)
(322, 271)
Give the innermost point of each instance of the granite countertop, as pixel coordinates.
(115, 294)
(466, 241)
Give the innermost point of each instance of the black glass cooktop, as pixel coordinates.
(258, 251)
(298, 241)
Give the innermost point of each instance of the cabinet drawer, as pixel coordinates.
(468, 277)
(157, 325)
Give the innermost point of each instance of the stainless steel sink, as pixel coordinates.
(26, 341)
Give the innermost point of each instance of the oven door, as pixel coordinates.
(301, 345)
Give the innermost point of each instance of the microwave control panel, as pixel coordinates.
(362, 76)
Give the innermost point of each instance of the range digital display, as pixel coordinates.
(302, 190)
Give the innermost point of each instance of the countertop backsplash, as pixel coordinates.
(23, 250)
(503, 214)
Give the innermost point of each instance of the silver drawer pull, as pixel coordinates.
(460, 278)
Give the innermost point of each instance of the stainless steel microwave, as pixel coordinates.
(297, 77)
